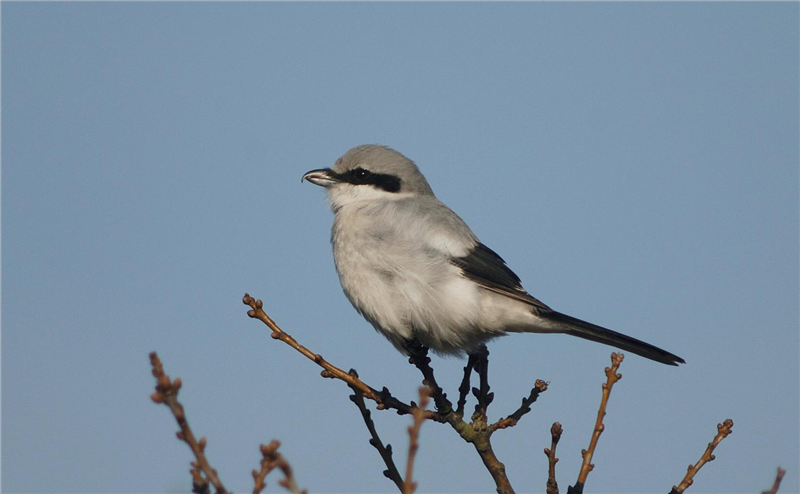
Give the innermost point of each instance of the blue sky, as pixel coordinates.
(635, 163)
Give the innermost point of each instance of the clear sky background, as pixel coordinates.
(635, 163)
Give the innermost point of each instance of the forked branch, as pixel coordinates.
(272, 459)
(202, 472)
(476, 432)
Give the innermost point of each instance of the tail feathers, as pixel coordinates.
(593, 332)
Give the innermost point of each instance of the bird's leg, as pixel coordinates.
(418, 356)
(463, 390)
(482, 393)
(414, 348)
(480, 437)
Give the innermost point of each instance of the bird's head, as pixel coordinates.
(370, 172)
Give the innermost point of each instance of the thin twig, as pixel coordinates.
(272, 459)
(409, 486)
(611, 378)
(259, 476)
(383, 398)
(777, 484)
(391, 471)
(555, 434)
(257, 312)
(167, 393)
(512, 420)
(723, 431)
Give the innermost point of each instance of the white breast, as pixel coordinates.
(395, 269)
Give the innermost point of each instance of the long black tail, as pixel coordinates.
(593, 332)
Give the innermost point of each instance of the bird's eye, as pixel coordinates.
(361, 173)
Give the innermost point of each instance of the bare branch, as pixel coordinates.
(587, 466)
(723, 430)
(199, 482)
(391, 471)
(476, 433)
(777, 484)
(259, 476)
(272, 459)
(384, 399)
(496, 468)
(167, 394)
(257, 312)
(478, 436)
(555, 433)
(409, 486)
(512, 420)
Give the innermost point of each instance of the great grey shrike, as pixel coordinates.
(416, 272)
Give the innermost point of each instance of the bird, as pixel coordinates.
(414, 269)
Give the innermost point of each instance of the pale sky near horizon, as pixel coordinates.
(636, 164)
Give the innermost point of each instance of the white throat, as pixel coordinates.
(344, 194)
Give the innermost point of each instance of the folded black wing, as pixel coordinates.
(486, 268)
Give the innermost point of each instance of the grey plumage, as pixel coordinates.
(416, 271)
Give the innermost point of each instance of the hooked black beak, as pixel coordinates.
(324, 177)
